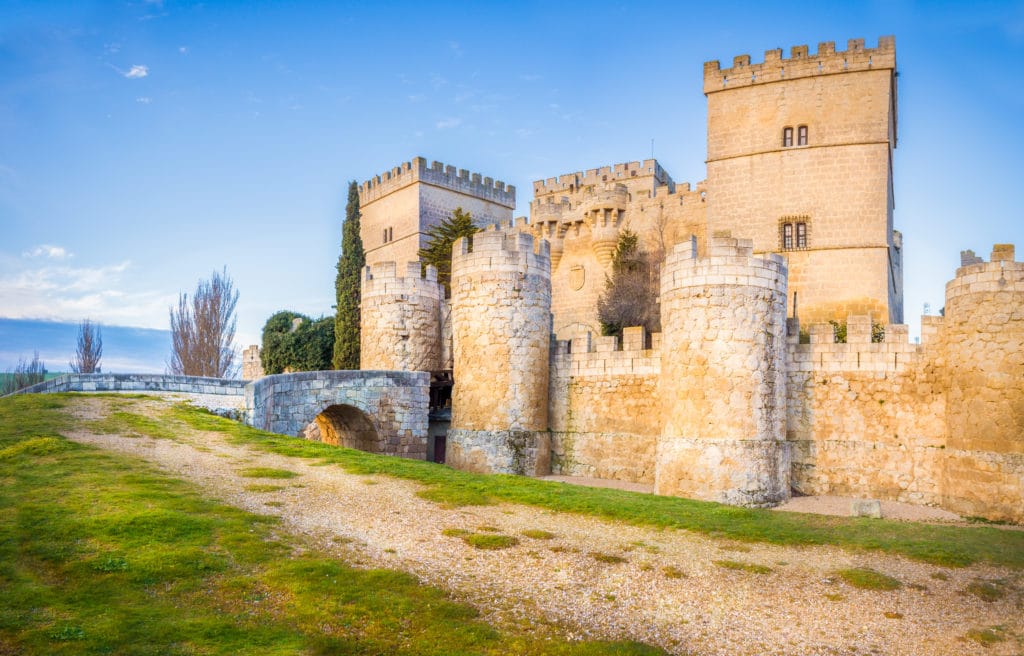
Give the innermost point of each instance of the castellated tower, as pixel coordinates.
(723, 384)
(400, 205)
(800, 158)
(501, 319)
(402, 319)
(983, 334)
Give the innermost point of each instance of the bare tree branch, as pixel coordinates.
(90, 349)
(203, 329)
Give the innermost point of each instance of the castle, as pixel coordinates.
(792, 228)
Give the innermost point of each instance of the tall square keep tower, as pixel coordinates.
(400, 205)
(800, 159)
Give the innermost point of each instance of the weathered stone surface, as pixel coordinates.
(866, 508)
(378, 411)
(402, 316)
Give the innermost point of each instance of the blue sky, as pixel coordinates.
(145, 144)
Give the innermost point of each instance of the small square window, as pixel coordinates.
(787, 137)
(801, 135)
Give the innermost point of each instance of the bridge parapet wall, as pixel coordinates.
(138, 383)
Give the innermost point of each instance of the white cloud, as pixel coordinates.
(145, 100)
(448, 123)
(66, 293)
(455, 48)
(183, 50)
(530, 77)
(136, 72)
(52, 252)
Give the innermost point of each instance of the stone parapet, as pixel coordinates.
(138, 383)
(800, 64)
(437, 174)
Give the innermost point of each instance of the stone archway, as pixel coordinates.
(347, 426)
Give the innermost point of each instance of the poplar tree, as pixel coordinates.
(346, 286)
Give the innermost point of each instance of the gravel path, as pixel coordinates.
(667, 591)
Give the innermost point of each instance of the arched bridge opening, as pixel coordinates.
(347, 426)
(377, 411)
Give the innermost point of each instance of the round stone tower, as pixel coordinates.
(983, 351)
(501, 320)
(401, 317)
(723, 381)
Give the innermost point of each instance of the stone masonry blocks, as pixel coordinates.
(501, 319)
(402, 318)
(723, 376)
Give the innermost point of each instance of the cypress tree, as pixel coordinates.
(346, 286)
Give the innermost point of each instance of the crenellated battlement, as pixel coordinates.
(500, 248)
(976, 276)
(572, 182)
(860, 353)
(439, 174)
(800, 64)
(730, 261)
(638, 354)
(386, 279)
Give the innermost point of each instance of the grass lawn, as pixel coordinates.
(941, 545)
(102, 554)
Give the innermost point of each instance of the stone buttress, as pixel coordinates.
(501, 319)
(402, 317)
(723, 381)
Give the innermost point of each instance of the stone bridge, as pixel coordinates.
(376, 411)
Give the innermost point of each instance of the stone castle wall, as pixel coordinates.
(402, 319)
(604, 407)
(501, 304)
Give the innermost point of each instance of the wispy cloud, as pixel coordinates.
(530, 77)
(455, 48)
(46, 250)
(136, 72)
(183, 50)
(67, 293)
(145, 100)
(448, 123)
(416, 97)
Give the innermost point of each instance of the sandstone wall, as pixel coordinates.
(983, 341)
(865, 419)
(581, 215)
(839, 184)
(938, 424)
(501, 300)
(402, 319)
(723, 376)
(605, 412)
(252, 366)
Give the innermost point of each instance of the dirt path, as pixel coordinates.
(668, 591)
